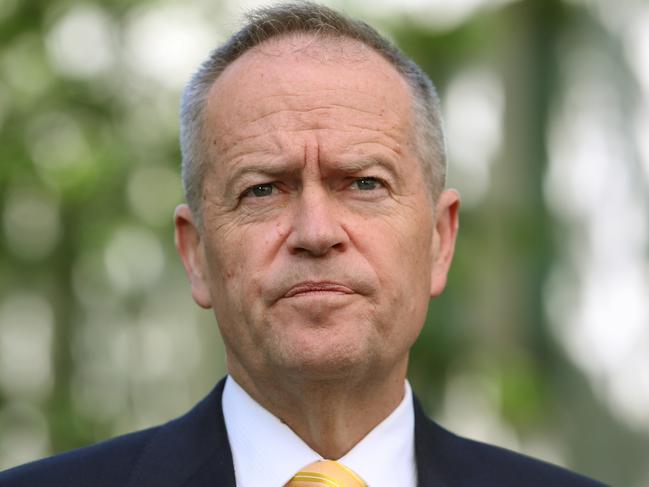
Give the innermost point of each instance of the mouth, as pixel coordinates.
(311, 288)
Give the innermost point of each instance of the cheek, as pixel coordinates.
(241, 256)
(226, 262)
(410, 262)
(412, 249)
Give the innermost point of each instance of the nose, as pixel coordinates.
(317, 228)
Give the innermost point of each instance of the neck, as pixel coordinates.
(331, 416)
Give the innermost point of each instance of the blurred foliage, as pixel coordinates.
(88, 182)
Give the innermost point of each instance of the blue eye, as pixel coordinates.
(260, 190)
(367, 184)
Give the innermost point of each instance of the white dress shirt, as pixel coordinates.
(266, 452)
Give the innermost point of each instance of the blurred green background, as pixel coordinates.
(541, 341)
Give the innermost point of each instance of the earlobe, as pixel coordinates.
(189, 245)
(444, 237)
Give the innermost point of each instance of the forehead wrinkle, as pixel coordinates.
(311, 155)
(240, 81)
(323, 107)
(282, 145)
(380, 117)
(314, 94)
(311, 111)
(251, 137)
(336, 102)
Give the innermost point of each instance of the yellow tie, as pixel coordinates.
(326, 473)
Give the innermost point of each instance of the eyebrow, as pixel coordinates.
(349, 165)
(358, 164)
(265, 169)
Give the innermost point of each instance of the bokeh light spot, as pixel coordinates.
(24, 434)
(473, 110)
(153, 192)
(59, 150)
(134, 259)
(26, 333)
(168, 59)
(81, 44)
(31, 222)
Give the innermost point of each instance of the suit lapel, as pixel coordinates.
(191, 451)
(428, 450)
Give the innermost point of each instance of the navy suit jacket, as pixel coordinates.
(193, 451)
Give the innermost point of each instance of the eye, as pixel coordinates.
(367, 184)
(260, 190)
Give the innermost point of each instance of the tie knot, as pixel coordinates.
(326, 473)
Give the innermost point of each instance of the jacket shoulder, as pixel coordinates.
(492, 465)
(191, 451)
(445, 459)
(107, 463)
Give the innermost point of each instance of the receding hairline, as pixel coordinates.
(314, 43)
(319, 49)
(304, 18)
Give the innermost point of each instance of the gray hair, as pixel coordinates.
(297, 18)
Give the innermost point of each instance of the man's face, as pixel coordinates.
(320, 248)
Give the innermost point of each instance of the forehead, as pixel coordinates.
(302, 71)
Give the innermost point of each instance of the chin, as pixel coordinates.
(326, 358)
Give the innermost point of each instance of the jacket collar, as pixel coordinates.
(191, 451)
(429, 443)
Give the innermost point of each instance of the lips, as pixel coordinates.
(305, 288)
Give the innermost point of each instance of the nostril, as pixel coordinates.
(317, 241)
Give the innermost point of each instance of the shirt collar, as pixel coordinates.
(266, 451)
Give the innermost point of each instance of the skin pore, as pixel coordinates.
(319, 248)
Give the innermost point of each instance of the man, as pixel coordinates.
(317, 229)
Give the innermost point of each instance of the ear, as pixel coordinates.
(189, 244)
(444, 236)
